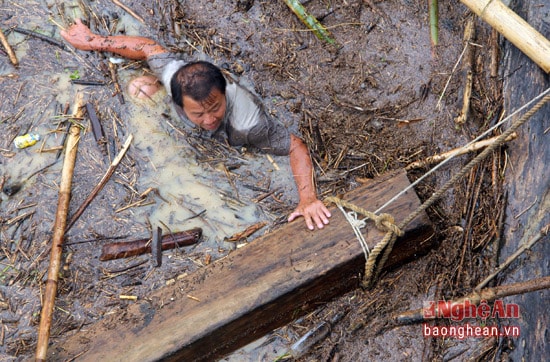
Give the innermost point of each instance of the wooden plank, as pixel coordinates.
(254, 290)
(528, 189)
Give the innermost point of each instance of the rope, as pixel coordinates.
(357, 225)
(386, 223)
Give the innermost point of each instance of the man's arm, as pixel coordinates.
(131, 47)
(312, 209)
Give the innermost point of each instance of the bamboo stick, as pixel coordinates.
(513, 28)
(310, 21)
(59, 233)
(459, 151)
(102, 182)
(9, 50)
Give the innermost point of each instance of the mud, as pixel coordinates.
(380, 98)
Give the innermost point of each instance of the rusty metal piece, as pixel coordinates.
(125, 249)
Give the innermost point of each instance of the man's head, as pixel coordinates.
(199, 88)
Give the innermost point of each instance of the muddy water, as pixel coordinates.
(188, 188)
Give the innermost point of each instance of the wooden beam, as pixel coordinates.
(253, 290)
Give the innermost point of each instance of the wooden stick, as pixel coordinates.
(513, 28)
(487, 294)
(43, 37)
(9, 50)
(101, 183)
(125, 249)
(544, 231)
(129, 11)
(459, 151)
(58, 234)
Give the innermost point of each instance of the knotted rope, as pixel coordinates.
(383, 222)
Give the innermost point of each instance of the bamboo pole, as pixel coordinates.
(513, 28)
(59, 233)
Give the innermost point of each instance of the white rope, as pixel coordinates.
(356, 225)
(458, 151)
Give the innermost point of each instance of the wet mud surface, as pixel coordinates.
(379, 99)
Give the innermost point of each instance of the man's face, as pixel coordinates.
(207, 114)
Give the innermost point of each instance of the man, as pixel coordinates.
(204, 98)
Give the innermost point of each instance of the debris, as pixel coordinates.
(129, 11)
(156, 248)
(308, 340)
(97, 130)
(26, 140)
(124, 249)
(12, 189)
(247, 232)
(128, 297)
(313, 336)
(468, 68)
(101, 183)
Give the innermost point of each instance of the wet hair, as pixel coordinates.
(196, 80)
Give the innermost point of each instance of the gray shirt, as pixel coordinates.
(245, 121)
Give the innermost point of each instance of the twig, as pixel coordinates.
(43, 37)
(542, 233)
(129, 11)
(468, 66)
(58, 235)
(114, 77)
(438, 106)
(101, 183)
(455, 152)
(247, 232)
(9, 50)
